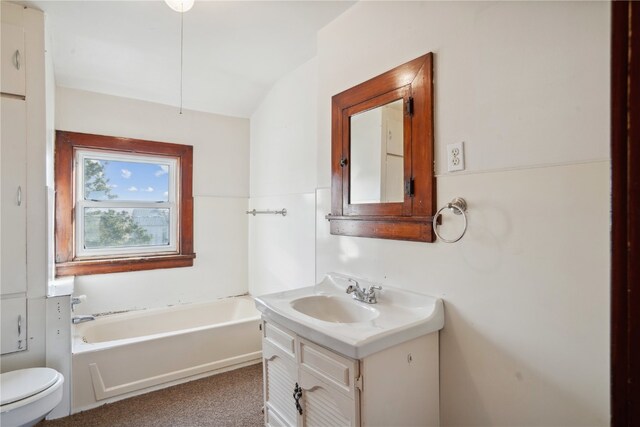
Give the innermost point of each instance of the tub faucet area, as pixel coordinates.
(81, 319)
(77, 300)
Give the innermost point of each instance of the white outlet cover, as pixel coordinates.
(455, 157)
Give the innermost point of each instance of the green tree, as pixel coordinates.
(95, 179)
(115, 229)
(110, 228)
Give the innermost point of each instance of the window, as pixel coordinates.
(122, 204)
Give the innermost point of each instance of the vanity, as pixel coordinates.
(331, 359)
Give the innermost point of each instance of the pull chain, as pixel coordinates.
(181, 55)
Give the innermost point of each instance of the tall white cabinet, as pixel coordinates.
(13, 187)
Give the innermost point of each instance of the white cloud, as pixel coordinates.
(148, 189)
(166, 193)
(164, 169)
(113, 185)
(126, 173)
(132, 189)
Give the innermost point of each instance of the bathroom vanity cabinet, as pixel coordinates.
(306, 384)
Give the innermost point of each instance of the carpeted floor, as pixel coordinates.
(229, 399)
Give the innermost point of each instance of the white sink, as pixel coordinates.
(327, 315)
(333, 309)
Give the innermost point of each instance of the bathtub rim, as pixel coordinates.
(78, 345)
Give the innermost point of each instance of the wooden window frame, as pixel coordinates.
(67, 262)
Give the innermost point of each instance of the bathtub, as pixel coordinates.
(122, 355)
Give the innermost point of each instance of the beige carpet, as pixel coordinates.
(229, 399)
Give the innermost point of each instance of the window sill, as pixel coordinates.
(120, 265)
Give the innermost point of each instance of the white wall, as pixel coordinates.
(526, 86)
(220, 188)
(283, 175)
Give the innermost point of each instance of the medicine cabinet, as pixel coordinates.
(382, 174)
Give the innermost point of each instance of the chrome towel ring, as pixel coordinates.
(458, 206)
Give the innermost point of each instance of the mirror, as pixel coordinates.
(377, 148)
(382, 181)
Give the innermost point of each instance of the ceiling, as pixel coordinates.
(234, 51)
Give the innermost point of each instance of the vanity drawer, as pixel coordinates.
(330, 367)
(280, 337)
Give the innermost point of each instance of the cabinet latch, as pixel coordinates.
(409, 106)
(409, 187)
(359, 383)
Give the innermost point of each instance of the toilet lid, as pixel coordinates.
(20, 384)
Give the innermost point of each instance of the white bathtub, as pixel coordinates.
(122, 355)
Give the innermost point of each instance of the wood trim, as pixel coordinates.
(66, 261)
(386, 82)
(633, 217)
(103, 266)
(393, 228)
(625, 232)
(381, 218)
(64, 221)
(422, 157)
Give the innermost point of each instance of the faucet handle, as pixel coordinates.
(373, 288)
(352, 288)
(77, 300)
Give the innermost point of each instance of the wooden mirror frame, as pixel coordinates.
(412, 218)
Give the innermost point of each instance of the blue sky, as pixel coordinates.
(137, 181)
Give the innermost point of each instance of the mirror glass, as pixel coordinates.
(377, 155)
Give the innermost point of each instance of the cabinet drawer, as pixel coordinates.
(330, 367)
(280, 337)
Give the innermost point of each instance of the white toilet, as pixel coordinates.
(28, 395)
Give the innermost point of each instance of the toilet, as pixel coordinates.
(28, 395)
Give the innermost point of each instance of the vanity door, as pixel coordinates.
(329, 386)
(280, 375)
(324, 404)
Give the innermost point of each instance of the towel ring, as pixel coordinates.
(459, 207)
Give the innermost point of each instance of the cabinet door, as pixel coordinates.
(324, 405)
(13, 333)
(13, 60)
(13, 276)
(280, 377)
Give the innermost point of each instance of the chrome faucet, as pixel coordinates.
(81, 319)
(77, 300)
(363, 294)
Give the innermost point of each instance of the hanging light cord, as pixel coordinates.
(181, 55)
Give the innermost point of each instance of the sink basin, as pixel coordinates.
(326, 315)
(333, 309)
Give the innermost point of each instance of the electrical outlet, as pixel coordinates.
(455, 157)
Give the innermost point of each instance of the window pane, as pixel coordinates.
(125, 180)
(122, 228)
